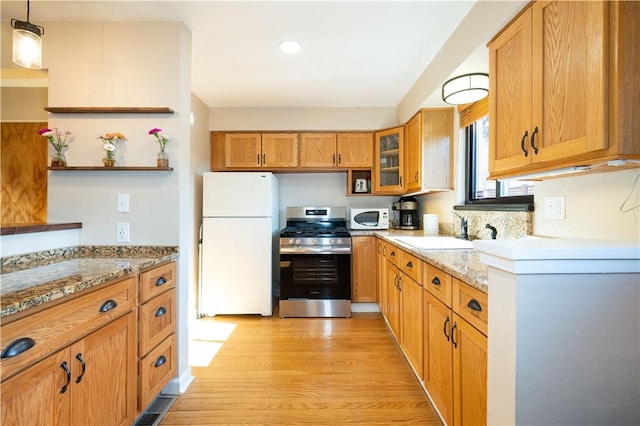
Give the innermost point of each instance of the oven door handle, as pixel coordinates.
(315, 250)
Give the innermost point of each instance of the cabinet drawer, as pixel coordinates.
(411, 265)
(471, 304)
(157, 280)
(392, 254)
(61, 325)
(155, 370)
(438, 283)
(156, 321)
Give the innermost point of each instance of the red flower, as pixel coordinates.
(154, 131)
(43, 131)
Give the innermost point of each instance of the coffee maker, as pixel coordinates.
(408, 210)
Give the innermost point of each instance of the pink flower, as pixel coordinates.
(154, 131)
(43, 131)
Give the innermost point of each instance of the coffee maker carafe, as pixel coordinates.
(408, 208)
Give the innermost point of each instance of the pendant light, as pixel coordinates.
(465, 89)
(27, 43)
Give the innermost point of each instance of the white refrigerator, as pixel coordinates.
(239, 267)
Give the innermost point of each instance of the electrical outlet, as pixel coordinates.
(122, 235)
(554, 208)
(123, 203)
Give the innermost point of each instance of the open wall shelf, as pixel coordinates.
(109, 110)
(113, 169)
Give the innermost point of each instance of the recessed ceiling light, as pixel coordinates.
(290, 46)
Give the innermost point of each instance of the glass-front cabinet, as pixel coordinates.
(389, 166)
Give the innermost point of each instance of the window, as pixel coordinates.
(479, 189)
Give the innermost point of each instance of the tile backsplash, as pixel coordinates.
(510, 225)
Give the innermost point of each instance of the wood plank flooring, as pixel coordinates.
(304, 371)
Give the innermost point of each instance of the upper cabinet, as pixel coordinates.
(557, 74)
(389, 166)
(341, 150)
(256, 150)
(429, 146)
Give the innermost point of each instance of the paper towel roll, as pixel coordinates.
(430, 224)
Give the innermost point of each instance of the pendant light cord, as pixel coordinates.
(28, 9)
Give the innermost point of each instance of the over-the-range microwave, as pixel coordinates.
(370, 218)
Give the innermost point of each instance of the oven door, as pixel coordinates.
(315, 276)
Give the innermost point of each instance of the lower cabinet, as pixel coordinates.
(393, 300)
(412, 322)
(92, 381)
(363, 276)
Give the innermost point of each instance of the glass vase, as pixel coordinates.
(58, 160)
(109, 161)
(163, 159)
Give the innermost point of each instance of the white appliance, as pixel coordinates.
(369, 219)
(239, 267)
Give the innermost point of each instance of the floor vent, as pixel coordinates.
(156, 411)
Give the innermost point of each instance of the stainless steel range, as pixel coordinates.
(315, 263)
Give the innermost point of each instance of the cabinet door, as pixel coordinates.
(362, 274)
(438, 354)
(413, 137)
(382, 274)
(35, 397)
(355, 150)
(510, 100)
(570, 102)
(104, 392)
(389, 167)
(412, 323)
(470, 374)
(318, 150)
(393, 299)
(280, 150)
(242, 150)
(435, 158)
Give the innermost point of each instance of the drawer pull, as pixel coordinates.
(160, 361)
(435, 281)
(453, 329)
(108, 305)
(161, 311)
(392, 254)
(68, 374)
(84, 367)
(409, 264)
(474, 305)
(446, 328)
(17, 347)
(161, 281)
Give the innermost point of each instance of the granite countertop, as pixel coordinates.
(34, 279)
(463, 264)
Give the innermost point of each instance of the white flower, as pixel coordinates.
(110, 146)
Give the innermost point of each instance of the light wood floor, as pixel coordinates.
(304, 371)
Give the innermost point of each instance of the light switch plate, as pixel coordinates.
(554, 208)
(123, 203)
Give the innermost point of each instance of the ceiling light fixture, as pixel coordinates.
(466, 88)
(290, 46)
(27, 43)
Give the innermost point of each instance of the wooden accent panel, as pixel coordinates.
(362, 273)
(113, 169)
(474, 112)
(57, 327)
(438, 283)
(217, 151)
(157, 280)
(23, 162)
(153, 374)
(11, 229)
(157, 321)
(437, 148)
(318, 150)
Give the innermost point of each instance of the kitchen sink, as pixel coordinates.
(435, 243)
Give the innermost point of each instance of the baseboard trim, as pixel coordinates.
(179, 385)
(364, 307)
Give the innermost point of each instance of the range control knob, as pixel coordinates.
(339, 242)
(332, 242)
(291, 241)
(298, 241)
(315, 242)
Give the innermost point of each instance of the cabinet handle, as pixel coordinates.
(108, 305)
(161, 311)
(67, 372)
(339, 158)
(161, 281)
(257, 158)
(453, 329)
(384, 251)
(445, 327)
(18, 346)
(160, 361)
(435, 281)
(409, 264)
(416, 177)
(400, 180)
(533, 140)
(474, 305)
(526, 133)
(333, 161)
(264, 159)
(399, 283)
(84, 367)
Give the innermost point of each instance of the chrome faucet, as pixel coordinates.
(464, 227)
(494, 231)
